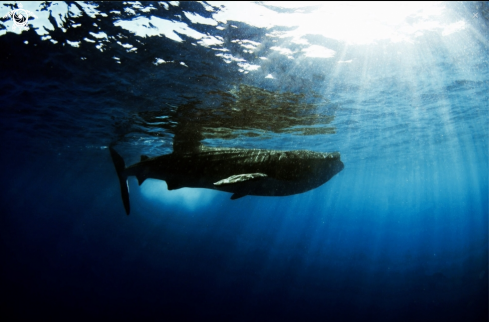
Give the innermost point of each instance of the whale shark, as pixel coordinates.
(242, 172)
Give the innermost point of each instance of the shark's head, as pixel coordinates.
(326, 165)
(333, 163)
(302, 165)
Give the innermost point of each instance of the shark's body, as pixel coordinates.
(238, 171)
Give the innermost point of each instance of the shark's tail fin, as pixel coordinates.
(120, 167)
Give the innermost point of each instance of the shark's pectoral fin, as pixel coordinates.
(237, 195)
(240, 178)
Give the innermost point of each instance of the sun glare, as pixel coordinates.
(367, 22)
(353, 22)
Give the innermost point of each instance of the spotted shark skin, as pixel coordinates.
(242, 172)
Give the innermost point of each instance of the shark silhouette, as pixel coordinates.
(242, 172)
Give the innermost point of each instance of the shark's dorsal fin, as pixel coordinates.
(240, 178)
(237, 195)
(187, 139)
(140, 179)
(144, 158)
(172, 185)
(186, 146)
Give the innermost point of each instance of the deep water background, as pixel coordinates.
(401, 234)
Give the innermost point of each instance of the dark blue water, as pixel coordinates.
(401, 234)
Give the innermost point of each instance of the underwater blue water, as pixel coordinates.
(400, 234)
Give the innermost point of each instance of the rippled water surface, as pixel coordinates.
(401, 90)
